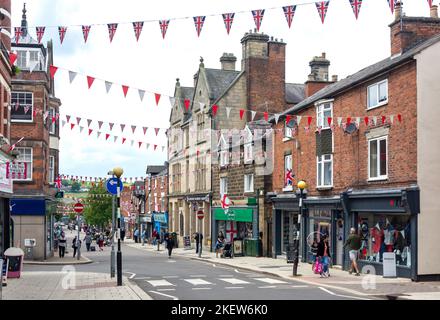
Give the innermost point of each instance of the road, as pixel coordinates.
(181, 278)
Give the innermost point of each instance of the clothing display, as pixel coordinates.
(376, 239)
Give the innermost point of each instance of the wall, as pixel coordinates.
(30, 227)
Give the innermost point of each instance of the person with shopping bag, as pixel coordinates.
(324, 257)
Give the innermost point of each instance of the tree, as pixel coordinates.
(66, 183)
(76, 187)
(98, 211)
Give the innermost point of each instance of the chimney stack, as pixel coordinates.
(434, 11)
(398, 11)
(319, 68)
(334, 78)
(228, 61)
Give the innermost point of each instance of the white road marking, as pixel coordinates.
(197, 282)
(198, 276)
(226, 276)
(132, 274)
(160, 283)
(170, 277)
(234, 287)
(267, 287)
(165, 295)
(300, 286)
(142, 278)
(171, 261)
(234, 281)
(201, 288)
(341, 295)
(166, 289)
(213, 265)
(270, 281)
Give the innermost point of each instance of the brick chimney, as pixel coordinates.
(318, 77)
(228, 61)
(5, 23)
(407, 32)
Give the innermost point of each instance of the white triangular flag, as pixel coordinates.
(298, 119)
(72, 76)
(374, 120)
(141, 94)
(253, 113)
(63, 122)
(228, 111)
(32, 66)
(163, 148)
(358, 121)
(339, 121)
(392, 119)
(98, 134)
(81, 129)
(132, 143)
(108, 86)
(115, 138)
(202, 106)
(172, 101)
(277, 117)
(148, 146)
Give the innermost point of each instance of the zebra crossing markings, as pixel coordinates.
(234, 281)
(270, 280)
(197, 282)
(160, 283)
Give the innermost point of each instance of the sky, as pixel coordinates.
(153, 63)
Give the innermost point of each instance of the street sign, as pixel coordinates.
(200, 214)
(112, 185)
(78, 207)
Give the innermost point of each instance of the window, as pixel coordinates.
(248, 183)
(21, 169)
(325, 171)
(248, 147)
(288, 185)
(52, 126)
(377, 94)
(223, 186)
(51, 169)
(22, 59)
(323, 112)
(287, 131)
(378, 158)
(224, 152)
(22, 106)
(200, 127)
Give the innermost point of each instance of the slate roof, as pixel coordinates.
(155, 169)
(219, 80)
(295, 92)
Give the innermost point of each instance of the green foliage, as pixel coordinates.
(76, 187)
(98, 211)
(66, 183)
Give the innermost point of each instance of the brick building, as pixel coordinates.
(156, 199)
(6, 184)
(35, 118)
(371, 164)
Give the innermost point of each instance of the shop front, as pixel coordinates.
(6, 190)
(160, 221)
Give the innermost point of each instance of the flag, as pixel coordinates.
(157, 97)
(309, 120)
(78, 120)
(367, 121)
(53, 70)
(40, 33)
(12, 58)
(164, 27)
(322, 7)
(140, 144)
(98, 134)
(89, 122)
(62, 32)
(122, 127)
(356, 6)
(145, 130)
(399, 117)
(68, 118)
(108, 86)
(202, 106)
(81, 129)
(72, 76)
(90, 81)
(133, 128)
(86, 31)
(214, 110)
(253, 113)
(187, 102)
(172, 101)
(15, 144)
(18, 33)
(155, 147)
(298, 119)
(132, 142)
(241, 114)
(90, 131)
(125, 90)
(115, 138)
(288, 179)
(112, 27)
(72, 125)
(228, 18)
(156, 130)
(100, 123)
(258, 18)
(266, 116)
(277, 117)
(392, 4)
(141, 94)
(289, 12)
(58, 182)
(198, 22)
(107, 136)
(137, 26)
(111, 125)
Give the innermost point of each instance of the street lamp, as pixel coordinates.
(301, 186)
(118, 173)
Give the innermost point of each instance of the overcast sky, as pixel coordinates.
(154, 64)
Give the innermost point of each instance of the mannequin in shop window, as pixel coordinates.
(388, 237)
(377, 236)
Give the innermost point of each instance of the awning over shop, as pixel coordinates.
(234, 214)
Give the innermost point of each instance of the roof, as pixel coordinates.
(219, 80)
(187, 92)
(295, 92)
(362, 75)
(155, 169)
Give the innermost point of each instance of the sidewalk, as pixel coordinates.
(365, 285)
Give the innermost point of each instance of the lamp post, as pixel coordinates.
(118, 173)
(112, 255)
(301, 186)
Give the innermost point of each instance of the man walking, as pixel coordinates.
(169, 244)
(354, 244)
(88, 240)
(62, 245)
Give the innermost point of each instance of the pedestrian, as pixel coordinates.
(136, 235)
(324, 256)
(314, 251)
(219, 244)
(122, 235)
(88, 240)
(169, 245)
(154, 236)
(353, 243)
(144, 236)
(76, 245)
(62, 245)
(101, 242)
(158, 241)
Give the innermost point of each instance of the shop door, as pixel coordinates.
(289, 227)
(231, 231)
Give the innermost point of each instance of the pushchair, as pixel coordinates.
(227, 251)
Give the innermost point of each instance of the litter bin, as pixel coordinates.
(15, 261)
(251, 247)
(29, 245)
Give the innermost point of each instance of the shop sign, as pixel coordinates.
(199, 198)
(234, 214)
(6, 183)
(238, 247)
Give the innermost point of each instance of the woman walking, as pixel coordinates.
(324, 256)
(101, 242)
(170, 245)
(62, 245)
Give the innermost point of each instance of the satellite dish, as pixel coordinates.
(291, 124)
(351, 128)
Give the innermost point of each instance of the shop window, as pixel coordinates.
(378, 158)
(21, 168)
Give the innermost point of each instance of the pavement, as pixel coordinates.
(367, 285)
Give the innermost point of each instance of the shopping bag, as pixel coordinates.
(318, 266)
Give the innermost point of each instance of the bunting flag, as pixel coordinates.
(277, 117)
(40, 33)
(108, 86)
(141, 94)
(78, 120)
(374, 120)
(107, 136)
(68, 118)
(81, 129)
(384, 119)
(266, 116)
(137, 26)
(133, 128)
(399, 117)
(348, 120)
(157, 97)
(322, 7)
(112, 27)
(90, 81)
(52, 71)
(289, 12)
(155, 147)
(357, 121)
(72, 125)
(339, 121)
(392, 119)
(53, 117)
(33, 65)
(18, 34)
(90, 131)
(163, 24)
(148, 146)
(122, 127)
(163, 148)
(367, 121)
(258, 18)
(228, 18)
(298, 119)
(12, 58)
(356, 6)
(187, 102)
(89, 122)
(115, 138)
(140, 144)
(125, 90)
(98, 134)
(72, 76)
(157, 131)
(392, 4)
(214, 110)
(145, 130)
(329, 121)
(198, 22)
(253, 114)
(430, 3)
(132, 142)
(228, 111)
(111, 125)
(86, 31)
(309, 121)
(100, 123)
(172, 101)
(241, 114)
(288, 119)
(62, 33)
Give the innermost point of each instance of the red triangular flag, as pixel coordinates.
(145, 130)
(53, 119)
(399, 117)
(288, 119)
(72, 125)
(12, 58)
(329, 121)
(140, 144)
(125, 89)
(367, 121)
(309, 120)
(266, 116)
(123, 140)
(52, 70)
(241, 114)
(348, 120)
(384, 119)
(157, 96)
(214, 110)
(155, 147)
(107, 136)
(187, 102)
(90, 131)
(156, 130)
(90, 81)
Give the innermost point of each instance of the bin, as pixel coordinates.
(251, 247)
(15, 261)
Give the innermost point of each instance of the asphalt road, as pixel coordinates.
(181, 278)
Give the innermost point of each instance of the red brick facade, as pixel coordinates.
(155, 187)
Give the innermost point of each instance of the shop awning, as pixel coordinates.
(234, 214)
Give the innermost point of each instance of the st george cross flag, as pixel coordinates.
(289, 12)
(40, 33)
(392, 4)
(322, 7)
(198, 22)
(356, 6)
(112, 27)
(137, 26)
(163, 24)
(228, 18)
(62, 32)
(86, 31)
(258, 18)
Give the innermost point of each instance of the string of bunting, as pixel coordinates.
(199, 21)
(100, 180)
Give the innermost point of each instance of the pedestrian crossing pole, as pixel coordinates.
(118, 173)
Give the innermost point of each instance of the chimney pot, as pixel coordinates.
(398, 10)
(434, 11)
(323, 55)
(271, 38)
(335, 78)
(255, 30)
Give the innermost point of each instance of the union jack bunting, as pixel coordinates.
(322, 7)
(258, 18)
(392, 4)
(62, 32)
(164, 27)
(289, 12)
(86, 31)
(137, 26)
(198, 22)
(18, 34)
(430, 3)
(356, 6)
(112, 30)
(228, 18)
(40, 33)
